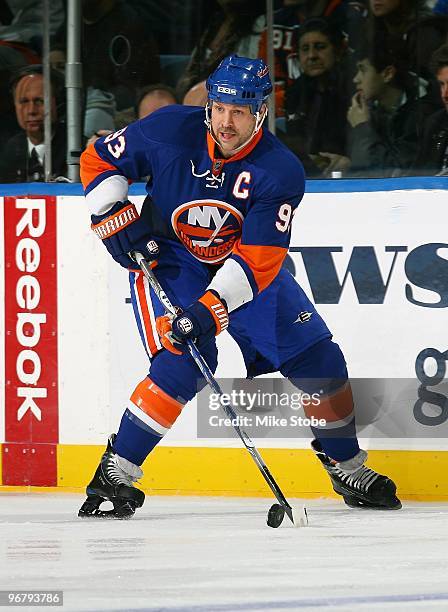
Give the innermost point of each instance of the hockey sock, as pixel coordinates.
(321, 369)
(338, 436)
(150, 414)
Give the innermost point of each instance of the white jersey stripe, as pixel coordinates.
(146, 314)
(140, 316)
(138, 412)
(232, 285)
(336, 424)
(102, 197)
(155, 335)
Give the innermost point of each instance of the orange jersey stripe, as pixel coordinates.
(115, 223)
(92, 166)
(244, 151)
(203, 232)
(337, 406)
(264, 261)
(217, 310)
(157, 404)
(145, 314)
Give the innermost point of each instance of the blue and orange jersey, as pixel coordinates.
(237, 210)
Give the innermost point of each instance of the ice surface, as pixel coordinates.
(217, 554)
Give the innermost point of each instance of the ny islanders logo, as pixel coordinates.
(207, 228)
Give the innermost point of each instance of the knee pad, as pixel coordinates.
(321, 368)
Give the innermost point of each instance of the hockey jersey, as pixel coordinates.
(236, 211)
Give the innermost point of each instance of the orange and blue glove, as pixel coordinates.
(200, 322)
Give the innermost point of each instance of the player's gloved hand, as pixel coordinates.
(201, 321)
(122, 230)
(150, 253)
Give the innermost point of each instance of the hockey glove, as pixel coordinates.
(122, 230)
(201, 321)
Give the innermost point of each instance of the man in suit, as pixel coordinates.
(23, 155)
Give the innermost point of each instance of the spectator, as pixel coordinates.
(421, 41)
(150, 99)
(432, 157)
(384, 135)
(99, 105)
(410, 25)
(24, 24)
(345, 16)
(153, 97)
(99, 112)
(396, 16)
(440, 7)
(316, 105)
(24, 161)
(21, 28)
(231, 31)
(10, 62)
(20, 22)
(196, 95)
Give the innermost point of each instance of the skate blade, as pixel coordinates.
(108, 515)
(353, 502)
(122, 510)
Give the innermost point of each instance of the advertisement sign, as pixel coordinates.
(31, 337)
(374, 263)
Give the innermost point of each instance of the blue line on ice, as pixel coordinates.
(300, 603)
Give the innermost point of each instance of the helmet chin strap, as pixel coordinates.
(259, 119)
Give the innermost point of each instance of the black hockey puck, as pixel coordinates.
(275, 515)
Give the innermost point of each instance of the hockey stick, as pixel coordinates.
(276, 513)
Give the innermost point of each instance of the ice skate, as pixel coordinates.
(113, 481)
(359, 486)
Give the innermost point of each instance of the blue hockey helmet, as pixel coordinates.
(240, 80)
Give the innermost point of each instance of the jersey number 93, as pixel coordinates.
(284, 218)
(117, 148)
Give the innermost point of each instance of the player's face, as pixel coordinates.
(442, 79)
(232, 126)
(29, 104)
(316, 54)
(369, 82)
(380, 8)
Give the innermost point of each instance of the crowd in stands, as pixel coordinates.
(361, 86)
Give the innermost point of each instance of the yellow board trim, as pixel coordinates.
(420, 475)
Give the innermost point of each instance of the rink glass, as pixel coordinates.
(166, 43)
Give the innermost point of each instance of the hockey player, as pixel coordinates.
(222, 196)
